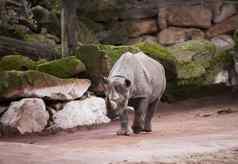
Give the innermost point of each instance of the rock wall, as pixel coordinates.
(167, 22)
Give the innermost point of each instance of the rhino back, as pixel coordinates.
(146, 75)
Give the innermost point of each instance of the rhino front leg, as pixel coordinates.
(139, 120)
(124, 124)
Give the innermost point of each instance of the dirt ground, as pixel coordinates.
(196, 131)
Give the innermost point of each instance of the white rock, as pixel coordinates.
(63, 92)
(222, 77)
(26, 116)
(223, 42)
(80, 113)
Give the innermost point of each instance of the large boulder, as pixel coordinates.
(17, 84)
(91, 111)
(227, 26)
(173, 35)
(64, 68)
(144, 38)
(192, 16)
(120, 32)
(223, 42)
(25, 116)
(226, 11)
(16, 62)
(199, 63)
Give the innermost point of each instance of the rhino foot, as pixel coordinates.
(123, 132)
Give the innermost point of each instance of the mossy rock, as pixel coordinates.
(16, 62)
(193, 50)
(64, 68)
(21, 84)
(11, 81)
(161, 54)
(100, 58)
(86, 35)
(40, 39)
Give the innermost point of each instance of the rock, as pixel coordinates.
(117, 9)
(223, 42)
(145, 39)
(86, 35)
(193, 50)
(226, 11)
(64, 68)
(173, 35)
(215, 6)
(26, 116)
(140, 27)
(120, 32)
(224, 27)
(43, 39)
(2, 109)
(197, 59)
(16, 62)
(91, 111)
(193, 16)
(47, 19)
(162, 18)
(17, 84)
(222, 77)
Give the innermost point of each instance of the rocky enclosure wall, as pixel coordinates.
(167, 22)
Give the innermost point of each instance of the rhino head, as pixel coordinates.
(117, 95)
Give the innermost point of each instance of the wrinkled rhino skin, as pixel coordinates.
(138, 81)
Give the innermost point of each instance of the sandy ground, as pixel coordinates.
(187, 132)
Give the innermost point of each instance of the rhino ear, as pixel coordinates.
(127, 83)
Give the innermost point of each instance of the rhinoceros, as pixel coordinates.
(139, 81)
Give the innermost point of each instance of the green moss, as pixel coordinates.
(12, 81)
(64, 68)
(16, 62)
(156, 51)
(114, 52)
(40, 38)
(190, 70)
(194, 50)
(100, 58)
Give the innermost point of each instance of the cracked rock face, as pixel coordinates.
(91, 111)
(25, 116)
(18, 84)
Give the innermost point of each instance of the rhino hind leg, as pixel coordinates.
(139, 119)
(149, 114)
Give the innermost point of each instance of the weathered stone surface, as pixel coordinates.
(16, 62)
(173, 35)
(145, 39)
(193, 16)
(223, 42)
(17, 84)
(64, 68)
(47, 40)
(140, 27)
(226, 11)
(203, 66)
(224, 27)
(2, 109)
(25, 116)
(91, 111)
(162, 18)
(120, 32)
(215, 6)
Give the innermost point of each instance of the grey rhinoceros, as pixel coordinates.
(139, 81)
